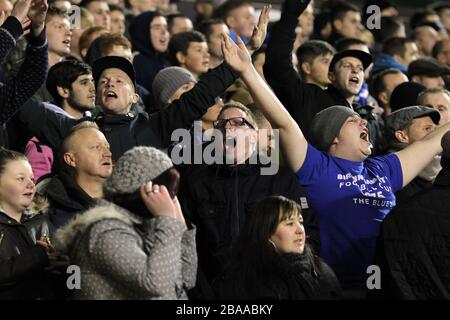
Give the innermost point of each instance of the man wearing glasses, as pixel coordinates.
(217, 197)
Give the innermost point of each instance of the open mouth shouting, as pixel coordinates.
(110, 95)
(365, 135)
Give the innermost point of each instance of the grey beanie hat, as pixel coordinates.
(326, 126)
(136, 167)
(168, 81)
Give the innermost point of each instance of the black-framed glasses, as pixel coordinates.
(234, 122)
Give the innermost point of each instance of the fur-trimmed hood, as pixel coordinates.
(66, 236)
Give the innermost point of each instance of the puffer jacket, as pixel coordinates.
(124, 256)
(22, 262)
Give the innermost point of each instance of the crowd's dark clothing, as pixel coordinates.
(136, 128)
(22, 262)
(413, 250)
(303, 100)
(148, 62)
(288, 276)
(334, 37)
(16, 91)
(66, 199)
(216, 199)
(411, 189)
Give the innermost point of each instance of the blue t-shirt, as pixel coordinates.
(350, 199)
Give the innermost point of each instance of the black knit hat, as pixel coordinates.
(110, 62)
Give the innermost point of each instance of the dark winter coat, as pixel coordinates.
(288, 276)
(22, 262)
(66, 199)
(304, 100)
(414, 245)
(216, 200)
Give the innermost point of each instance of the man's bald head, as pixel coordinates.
(69, 141)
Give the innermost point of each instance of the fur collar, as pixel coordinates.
(105, 210)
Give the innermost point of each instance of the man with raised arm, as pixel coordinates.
(350, 192)
(303, 100)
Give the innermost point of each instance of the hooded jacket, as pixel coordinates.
(124, 256)
(303, 101)
(148, 62)
(22, 262)
(413, 251)
(216, 200)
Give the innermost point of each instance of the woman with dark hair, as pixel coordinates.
(137, 245)
(272, 259)
(25, 249)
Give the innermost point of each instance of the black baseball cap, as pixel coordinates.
(110, 62)
(364, 57)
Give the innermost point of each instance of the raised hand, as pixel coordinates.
(37, 14)
(260, 31)
(157, 200)
(20, 10)
(236, 56)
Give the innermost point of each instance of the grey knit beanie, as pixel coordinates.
(134, 168)
(326, 126)
(168, 81)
